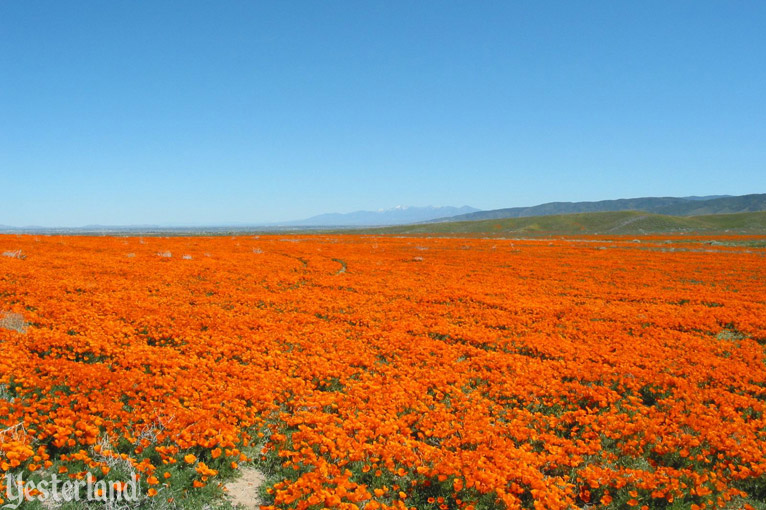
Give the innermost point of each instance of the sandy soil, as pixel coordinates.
(244, 490)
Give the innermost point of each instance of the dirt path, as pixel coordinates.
(243, 491)
(342, 266)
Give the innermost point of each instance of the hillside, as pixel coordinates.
(617, 223)
(673, 206)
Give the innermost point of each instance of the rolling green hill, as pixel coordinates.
(674, 206)
(608, 223)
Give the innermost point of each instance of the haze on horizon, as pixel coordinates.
(120, 113)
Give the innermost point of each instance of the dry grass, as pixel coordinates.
(13, 321)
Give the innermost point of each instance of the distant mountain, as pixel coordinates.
(673, 206)
(598, 223)
(708, 197)
(397, 216)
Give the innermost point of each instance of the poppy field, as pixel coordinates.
(367, 372)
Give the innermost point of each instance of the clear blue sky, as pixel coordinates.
(129, 112)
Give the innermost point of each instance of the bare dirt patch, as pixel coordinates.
(243, 492)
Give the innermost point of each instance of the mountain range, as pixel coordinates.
(671, 206)
(400, 215)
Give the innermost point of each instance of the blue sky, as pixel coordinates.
(129, 112)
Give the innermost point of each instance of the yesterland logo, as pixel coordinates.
(58, 490)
